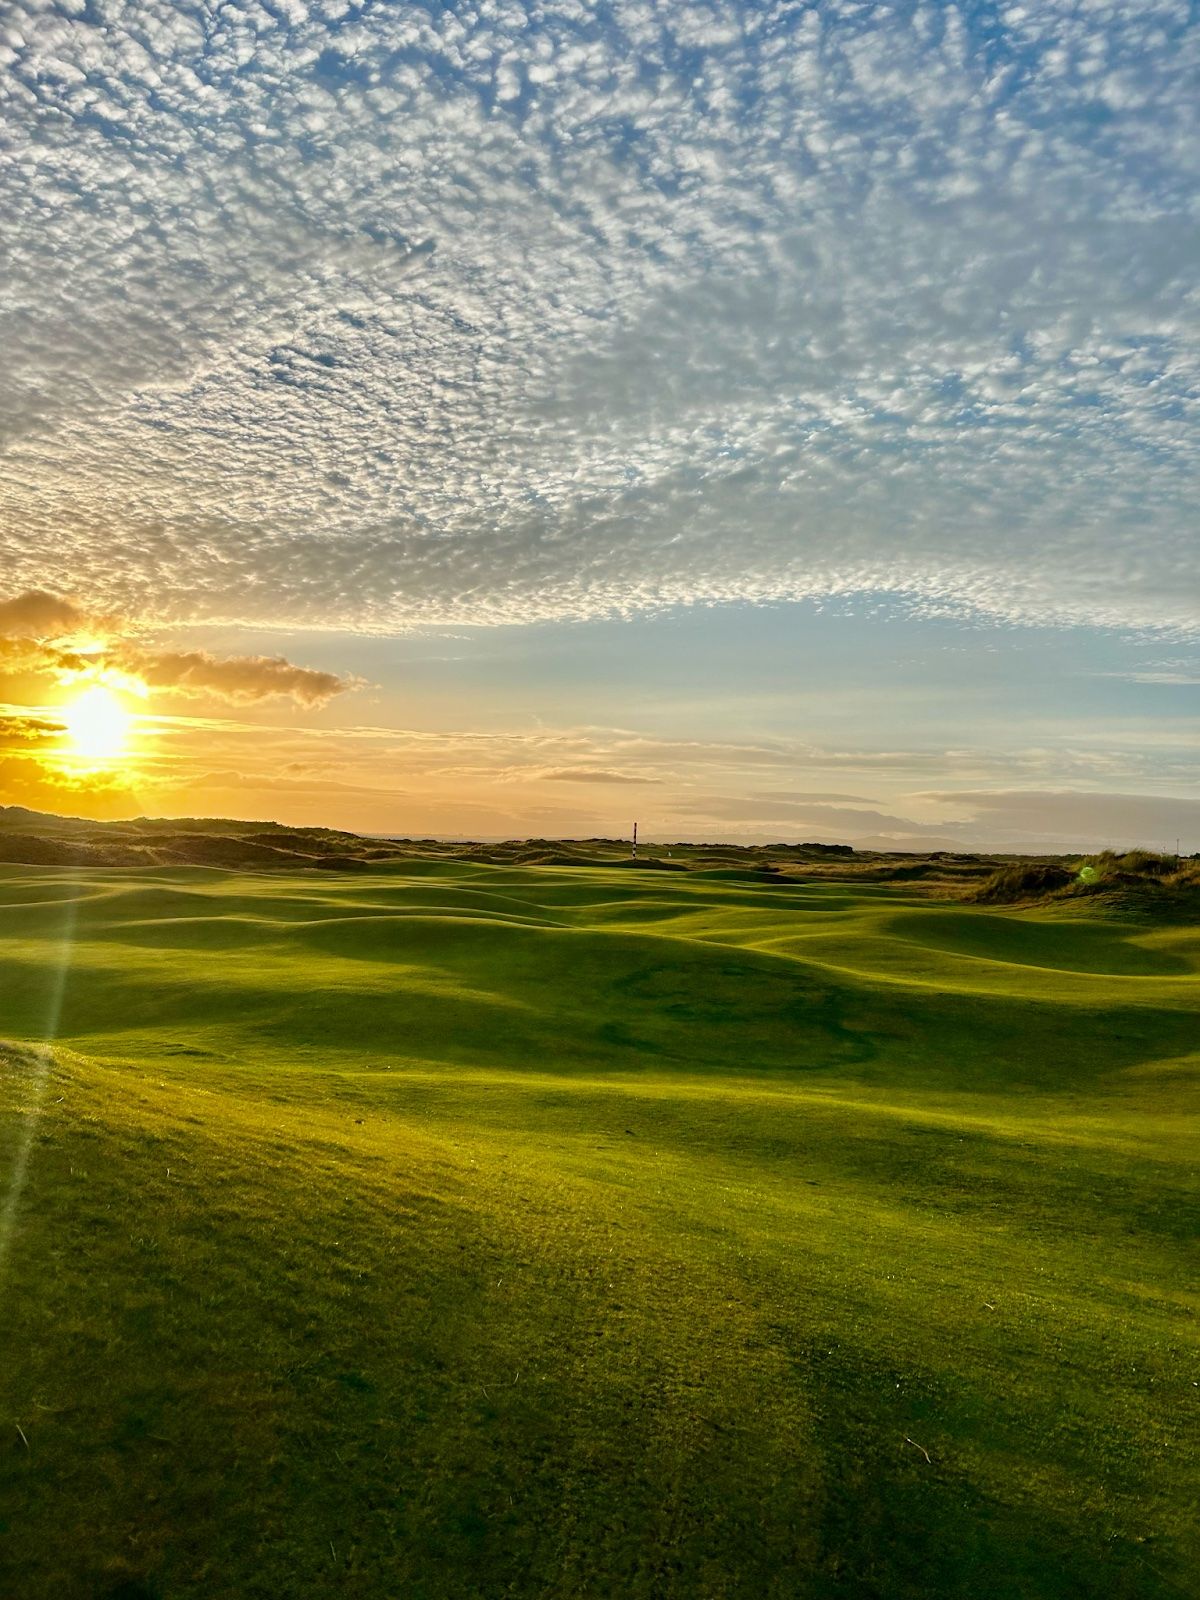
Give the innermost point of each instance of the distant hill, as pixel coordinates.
(1138, 882)
(41, 839)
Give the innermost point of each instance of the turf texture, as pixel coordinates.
(452, 1230)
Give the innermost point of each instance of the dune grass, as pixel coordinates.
(458, 1230)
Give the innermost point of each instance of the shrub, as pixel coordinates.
(1021, 880)
(1147, 864)
(1111, 867)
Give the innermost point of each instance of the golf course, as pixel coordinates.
(446, 1228)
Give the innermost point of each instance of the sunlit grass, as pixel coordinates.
(485, 1232)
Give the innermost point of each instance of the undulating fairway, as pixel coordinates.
(475, 1231)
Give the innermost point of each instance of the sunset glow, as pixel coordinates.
(97, 725)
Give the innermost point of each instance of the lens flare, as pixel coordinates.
(97, 725)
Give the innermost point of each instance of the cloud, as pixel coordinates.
(66, 791)
(1089, 820)
(749, 300)
(34, 624)
(1166, 674)
(589, 775)
(839, 822)
(28, 733)
(37, 614)
(42, 657)
(240, 680)
(807, 800)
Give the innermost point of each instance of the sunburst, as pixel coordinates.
(97, 725)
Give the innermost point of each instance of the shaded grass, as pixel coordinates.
(417, 1255)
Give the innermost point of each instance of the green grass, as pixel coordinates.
(458, 1230)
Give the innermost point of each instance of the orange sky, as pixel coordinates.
(782, 725)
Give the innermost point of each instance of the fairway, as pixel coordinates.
(458, 1230)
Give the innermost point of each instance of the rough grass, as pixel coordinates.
(458, 1230)
(1164, 882)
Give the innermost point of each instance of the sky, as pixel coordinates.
(761, 421)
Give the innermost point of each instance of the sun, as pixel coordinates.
(97, 725)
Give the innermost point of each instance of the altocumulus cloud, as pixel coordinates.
(376, 314)
(49, 635)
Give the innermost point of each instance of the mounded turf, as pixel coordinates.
(478, 1231)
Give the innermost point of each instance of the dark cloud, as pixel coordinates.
(37, 614)
(33, 626)
(28, 732)
(240, 680)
